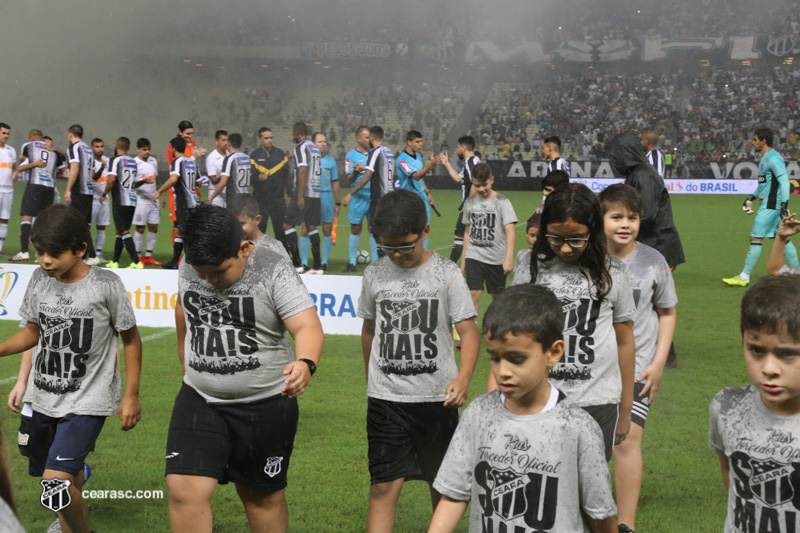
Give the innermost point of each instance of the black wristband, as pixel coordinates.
(312, 366)
(339, 203)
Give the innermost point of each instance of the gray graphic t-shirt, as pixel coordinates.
(763, 450)
(528, 472)
(487, 220)
(273, 244)
(413, 308)
(588, 373)
(75, 370)
(651, 281)
(522, 267)
(235, 347)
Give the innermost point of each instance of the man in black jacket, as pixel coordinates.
(271, 167)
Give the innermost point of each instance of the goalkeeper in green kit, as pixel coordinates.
(773, 189)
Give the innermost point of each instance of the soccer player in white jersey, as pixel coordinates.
(8, 175)
(147, 211)
(214, 166)
(101, 212)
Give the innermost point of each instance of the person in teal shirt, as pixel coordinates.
(773, 189)
(329, 187)
(411, 168)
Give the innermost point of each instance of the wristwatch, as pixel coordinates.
(312, 366)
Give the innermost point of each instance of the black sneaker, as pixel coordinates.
(324, 267)
(170, 266)
(350, 268)
(622, 528)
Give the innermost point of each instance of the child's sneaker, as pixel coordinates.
(622, 528)
(55, 527)
(87, 473)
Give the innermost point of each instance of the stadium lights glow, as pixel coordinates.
(317, 63)
(187, 60)
(198, 64)
(264, 66)
(747, 63)
(326, 66)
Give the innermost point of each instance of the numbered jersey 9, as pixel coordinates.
(38, 151)
(126, 172)
(184, 187)
(237, 168)
(308, 155)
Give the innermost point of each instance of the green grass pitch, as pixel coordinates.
(328, 479)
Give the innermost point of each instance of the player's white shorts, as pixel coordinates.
(220, 201)
(6, 200)
(101, 212)
(147, 212)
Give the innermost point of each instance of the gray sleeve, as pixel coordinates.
(621, 295)
(122, 316)
(594, 478)
(465, 215)
(664, 295)
(27, 310)
(714, 437)
(459, 299)
(289, 294)
(507, 212)
(522, 267)
(366, 303)
(454, 478)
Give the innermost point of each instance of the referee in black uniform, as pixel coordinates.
(271, 170)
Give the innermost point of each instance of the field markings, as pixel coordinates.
(154, 336)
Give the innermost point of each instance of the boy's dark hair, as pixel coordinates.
(467, 142)
(178, 143)
(235, 140)
(554, 139)
(212, 235)
(400, 212)
(219, 133)
(526, 309)
(773, 306)
(621, 194)
(577, 202)
(413, 135)
(143, 142)
(299, 128)
(95, 140)
(377, 132)
(244, 204)
(555, 179)
(59, 228)
(184, 125)
(76, 130)
(765, 134)
(482, 172)
(123, 143)
(533, 221)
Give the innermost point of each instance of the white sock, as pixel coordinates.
(3, 233)
(745, 277)
(151, 243)
(100, 241)
(137, 241)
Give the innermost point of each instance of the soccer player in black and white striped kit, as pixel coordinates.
(552, 152)
(466, 153)
(79, 191)
(653, 154)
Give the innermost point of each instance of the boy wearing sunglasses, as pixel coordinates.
(409, 299)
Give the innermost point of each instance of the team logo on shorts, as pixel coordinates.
(214, 311)
(55, 494)
(770, 481)
(406, 316)
(57, 333)
(273, 466)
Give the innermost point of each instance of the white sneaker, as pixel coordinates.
(55, 527)
(315, 272)
(21, 256)
(92, 261)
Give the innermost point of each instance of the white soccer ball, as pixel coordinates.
(362, 257)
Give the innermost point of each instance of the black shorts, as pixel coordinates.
(607, 416)
(83, 203)
(407, 440)
(294, 217)
(61, 443)
(460, 227)
(312, 212)
(641, 406)
(249, 444)
(24, 434)
(123, 217)
(35, 198)
(492, 275)
(181, 215)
